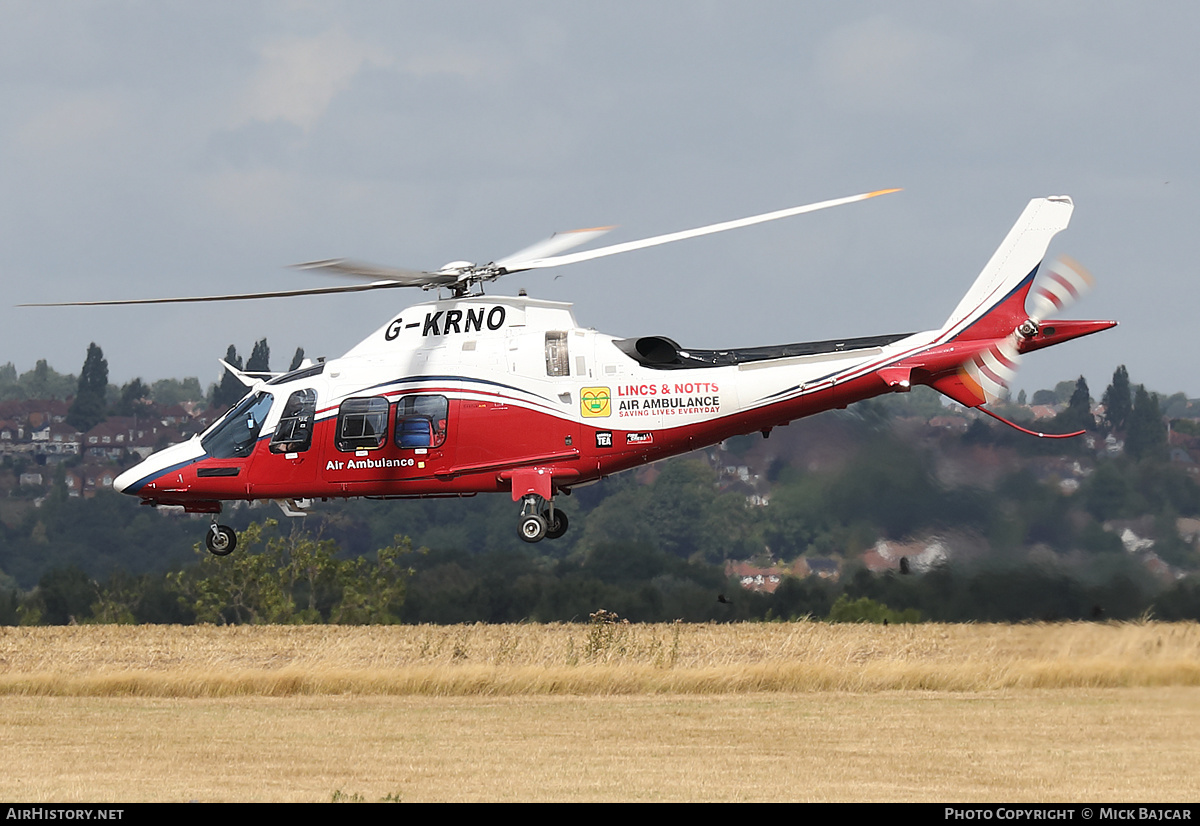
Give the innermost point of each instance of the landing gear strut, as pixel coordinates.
(540, 521)
(220, 540)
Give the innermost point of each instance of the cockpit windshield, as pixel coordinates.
(234, 436)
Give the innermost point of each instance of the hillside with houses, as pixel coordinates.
(892, 500)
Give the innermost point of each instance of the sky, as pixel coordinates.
(152, 149)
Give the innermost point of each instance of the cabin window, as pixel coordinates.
(421, 421)
(234, 436)
(362, 424)
(293, 434)
(558, 363)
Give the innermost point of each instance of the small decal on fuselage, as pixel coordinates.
(604, 438)
(595, 402)
(367, 464)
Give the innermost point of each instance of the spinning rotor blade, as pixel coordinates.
(1059, 286)
(587, 255)
(397, 275)
(990, 373)
(556, 243)
(460, 275)
(347, 288)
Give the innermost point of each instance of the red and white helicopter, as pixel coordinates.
(475, 393)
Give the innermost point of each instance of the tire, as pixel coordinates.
(556, 527)
(532, 528)
(220, 540)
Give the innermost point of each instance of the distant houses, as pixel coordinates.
(35, 436)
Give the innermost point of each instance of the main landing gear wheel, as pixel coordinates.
(532, 528)
(220, 540)
(557, 526)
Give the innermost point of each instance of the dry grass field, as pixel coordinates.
(797, 711)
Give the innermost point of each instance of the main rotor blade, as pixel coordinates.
(345, 288)
(357, 269)
(628, 246)
(538, 256)
(556, 243)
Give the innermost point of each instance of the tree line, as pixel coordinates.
(295, 576)
(93, 399)
(656, 548)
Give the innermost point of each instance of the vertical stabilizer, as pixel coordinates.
(1008, 275)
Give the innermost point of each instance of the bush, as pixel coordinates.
(866, 609)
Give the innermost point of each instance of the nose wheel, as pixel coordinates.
(541, 522)
(220, 540)
(532, 528)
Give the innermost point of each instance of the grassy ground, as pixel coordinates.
(207, 661)
(1132, 744)
(1075, 712)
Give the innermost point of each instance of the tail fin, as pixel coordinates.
(995, 304)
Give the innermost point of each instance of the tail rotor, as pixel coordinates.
(990, 372)
(1057, 287)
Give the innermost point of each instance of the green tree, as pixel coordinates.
(1064, 390)
(796, 598)
(87, 410)
(297, 359)
(1107, 494)
(244, 587)
(1078, 415)
(373, 592)
(40, 382)
(8, 379)
(134, 396)
(66, 596)
(116, 601)
(799, 514)
(308, 570)
(921, 403)
(1147, 434)
(865, 609)
(260, 358)
(230, 388)
(174, 391)
(1181, 601)
(293, 579)
(1117, 401)
(681, 497)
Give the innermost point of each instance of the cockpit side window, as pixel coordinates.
(235, 436)
(293, 434)
(421, 421)
(362, 424)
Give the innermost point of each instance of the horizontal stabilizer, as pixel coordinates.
(247, 379)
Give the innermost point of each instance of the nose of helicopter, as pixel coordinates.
(127, 478)
(133, 480)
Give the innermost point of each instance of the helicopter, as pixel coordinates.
(473, 393)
